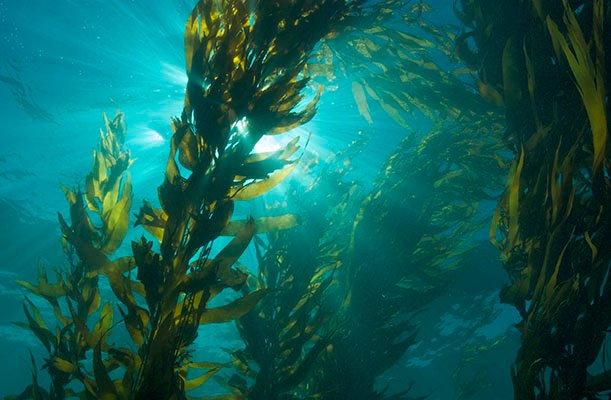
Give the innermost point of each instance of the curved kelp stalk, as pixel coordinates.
(246, 69)
(549, 62)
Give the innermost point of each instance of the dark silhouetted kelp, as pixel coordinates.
(546, 62)
(407, 240)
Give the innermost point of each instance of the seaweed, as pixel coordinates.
(334, 324)
(547, 59)
(412, 227)
(252, 69)
(247, 76)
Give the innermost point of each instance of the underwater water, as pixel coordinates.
(387, 282)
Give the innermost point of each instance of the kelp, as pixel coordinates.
(408, 237)
(287, 330)
(334, 323)
(292, 350)
(549, 62)
(246, 78)
(286, 333)
(404, 62)
(82, 322)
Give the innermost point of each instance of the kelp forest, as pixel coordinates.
(327, 287)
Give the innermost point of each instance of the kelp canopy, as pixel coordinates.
(343, 271)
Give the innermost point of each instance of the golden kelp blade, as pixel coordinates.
(101, 329)
(283, 154)
(262, 224)
(513, 203)
(589, 73)
(44, 288)
(230, 254)
(63, 365)
(117, 220)
(361, 101)
(37, 325)
(256, 189)
(152, 219)
(489, 93)
(233, 310)
(394, 114)
(197, 382)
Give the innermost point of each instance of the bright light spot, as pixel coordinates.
(154, 137)
(239, 129)
(265, 144)
(174, 74)
(242, 126)
(145, 138)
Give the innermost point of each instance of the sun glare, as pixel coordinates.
(266, 143)
(144, 137)
(173, 74)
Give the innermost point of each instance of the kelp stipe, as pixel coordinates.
(548, 61)
(253, 67)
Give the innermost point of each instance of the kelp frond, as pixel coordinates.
(553, 219)
(247, 77)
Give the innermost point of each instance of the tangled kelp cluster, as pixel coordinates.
(411, 228)
(331, 307)
(246, 72)
(334, 323)
(547, 63)
(301, 341)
